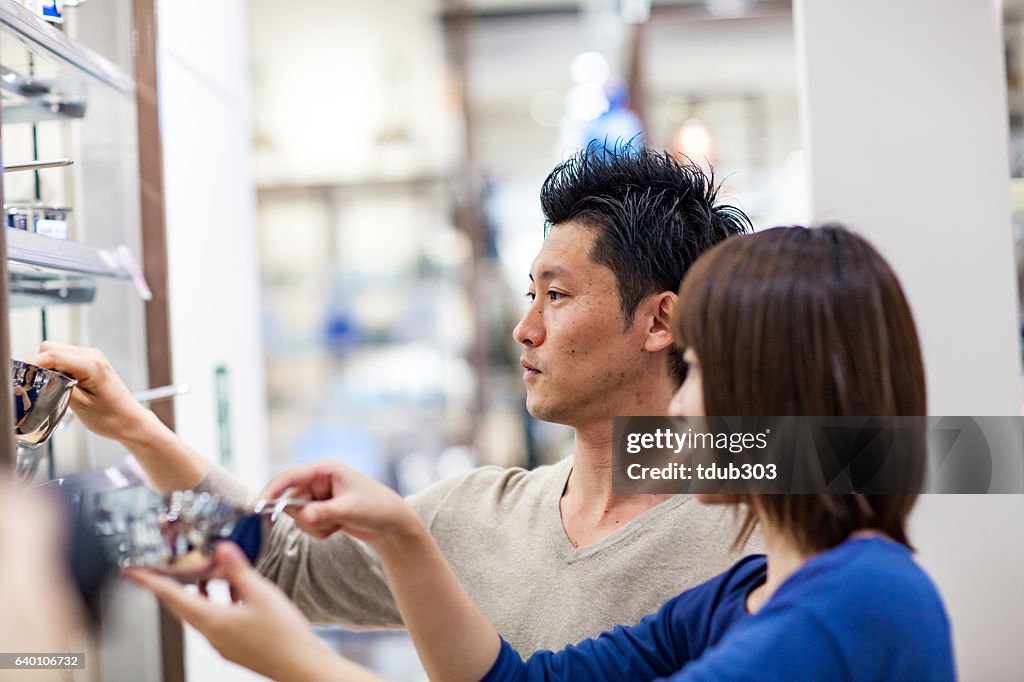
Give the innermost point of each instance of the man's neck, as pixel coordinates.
(590, 509)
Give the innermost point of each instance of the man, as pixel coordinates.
(551, 555)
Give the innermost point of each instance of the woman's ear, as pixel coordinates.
(659, 334)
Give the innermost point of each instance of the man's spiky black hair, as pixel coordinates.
(653, 215)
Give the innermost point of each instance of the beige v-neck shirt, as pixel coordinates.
(501, 531)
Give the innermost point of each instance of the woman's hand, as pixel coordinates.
(264, 631)
(454, 640)
(345, 500)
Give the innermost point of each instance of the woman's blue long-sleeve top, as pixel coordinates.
(862, 610)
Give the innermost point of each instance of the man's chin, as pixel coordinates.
(546, 412)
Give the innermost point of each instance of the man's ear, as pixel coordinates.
(659, 334)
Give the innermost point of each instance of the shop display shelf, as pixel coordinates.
(64, 256)
(31, 287)
(44, 41)
(20, 109)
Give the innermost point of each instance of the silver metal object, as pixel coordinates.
(150, 395)
(41, 397)
(153, 395)
(27, 463)
(36, 165)
(174, 533)
(276, 506)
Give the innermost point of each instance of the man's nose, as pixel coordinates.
(530, 330)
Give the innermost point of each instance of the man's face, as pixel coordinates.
(580, 364)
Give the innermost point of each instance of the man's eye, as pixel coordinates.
(530, 295)
(555, 295)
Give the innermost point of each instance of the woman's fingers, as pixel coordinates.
(298, 477)
(189, 607)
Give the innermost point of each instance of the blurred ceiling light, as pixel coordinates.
(635, 11)
(727, 8)
(589, 68)
(694, 140)
(586, 102)
(546, 108)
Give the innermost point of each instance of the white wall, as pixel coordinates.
(905, 122)
(213, 277)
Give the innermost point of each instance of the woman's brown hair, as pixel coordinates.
(809, 322)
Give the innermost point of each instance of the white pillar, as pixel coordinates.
(212, 248)
(905, 122)
(905, 127)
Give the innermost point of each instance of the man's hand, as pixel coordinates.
(262, 631)
(344, 500)
(107, 407)
(100, 400)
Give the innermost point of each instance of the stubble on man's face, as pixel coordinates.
(573, 334)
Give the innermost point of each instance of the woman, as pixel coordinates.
(789, 321)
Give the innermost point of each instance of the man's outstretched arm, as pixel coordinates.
(335, 581)
(106, 407)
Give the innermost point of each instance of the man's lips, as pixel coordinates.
(531, 370)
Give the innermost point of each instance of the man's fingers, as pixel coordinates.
(57, 346)
(82, 364)
(185, 605)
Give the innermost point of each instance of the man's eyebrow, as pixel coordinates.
(549, 273)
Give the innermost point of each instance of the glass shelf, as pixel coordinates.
(56, 51)
(51, 260)
(64, 256)
(31, 287)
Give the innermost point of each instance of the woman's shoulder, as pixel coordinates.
(864, 607)
(870, 584)
(863, 566)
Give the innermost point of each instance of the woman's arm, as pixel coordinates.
(452, 637)
(454, 640)
(263, 632)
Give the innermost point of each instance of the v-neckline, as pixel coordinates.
(563, 546)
